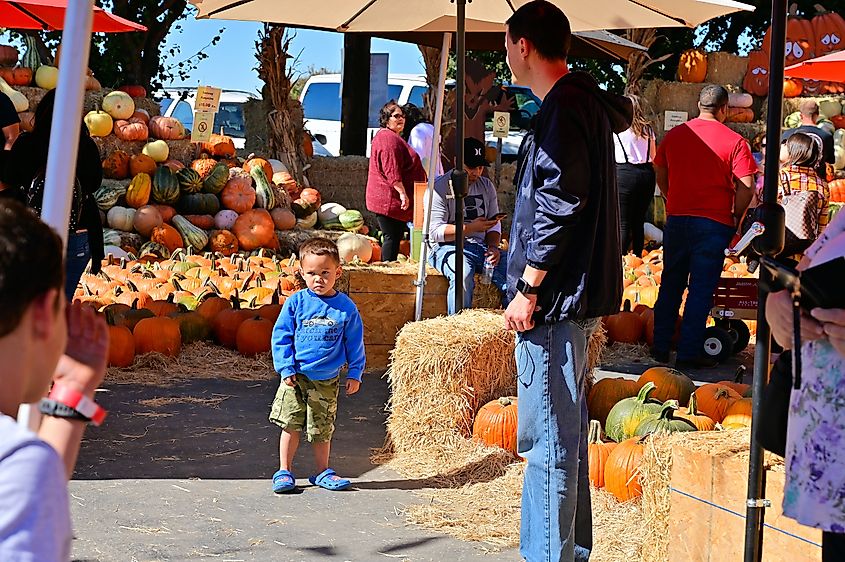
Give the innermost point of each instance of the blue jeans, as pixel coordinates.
(693, 255)
(551, 362)
(76, 260)
(443, 260)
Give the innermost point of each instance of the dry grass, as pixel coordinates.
(161, 402)
(199, 360)
(616, 353)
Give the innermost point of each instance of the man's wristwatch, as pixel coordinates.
(56, 409)
(525, 288)
(76, 401)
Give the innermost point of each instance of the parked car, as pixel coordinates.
(320, 100)
(179, 103)
(526, 105)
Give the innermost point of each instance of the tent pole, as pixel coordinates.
(434, 158)
(64, 137)
(755, 503)
(459, 176)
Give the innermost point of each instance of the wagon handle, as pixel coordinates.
(756, 230)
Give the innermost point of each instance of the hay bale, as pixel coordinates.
(726, 69)
(747, 130)
(182, 150)
(93, 100)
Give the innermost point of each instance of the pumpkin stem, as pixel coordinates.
(594, 434)
(176, 285)
(692, 406)
(626, 306)
(644, 394)
(740, 373)
(668, 411)
(135, 303)
(235, 300)
(505, 400)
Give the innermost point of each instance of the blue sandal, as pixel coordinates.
(329, 480)
(283, 481)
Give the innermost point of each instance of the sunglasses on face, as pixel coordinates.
(398, 116)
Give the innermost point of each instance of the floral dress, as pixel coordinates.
(815, 441)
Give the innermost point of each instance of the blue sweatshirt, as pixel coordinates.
(316, 336)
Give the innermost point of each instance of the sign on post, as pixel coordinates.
(203, 123)
(672, 119)
(501, 124)
(208, 99)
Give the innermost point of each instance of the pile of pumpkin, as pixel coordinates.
(119, 116)
(157, 305)
(630, 410)
(215, 203)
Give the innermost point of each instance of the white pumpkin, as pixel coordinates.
(157, 150)
(839, 162)
(277, 165)
(329, 213)
(351, 245)
(740, 100)
(99, 123)
(830, 107)
(47, 77)
(225, 219)
(119, 105)
(308, 222)
(120, 218)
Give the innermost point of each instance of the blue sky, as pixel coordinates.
(231, 63)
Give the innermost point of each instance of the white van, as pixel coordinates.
(179, 103)
(320, 100)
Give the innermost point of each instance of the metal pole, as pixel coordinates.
(432, 169)
(64, 137)
(755, 503)
(459, 176)
(498, 172)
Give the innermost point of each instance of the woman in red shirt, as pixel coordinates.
(394, 167)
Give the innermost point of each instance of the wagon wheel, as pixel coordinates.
(739, 333)
(718, 343)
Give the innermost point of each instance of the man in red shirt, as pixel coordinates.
(706, 172)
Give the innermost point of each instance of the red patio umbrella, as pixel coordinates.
(829, 68)
(49, 15)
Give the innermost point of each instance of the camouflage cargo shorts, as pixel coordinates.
(309, 405)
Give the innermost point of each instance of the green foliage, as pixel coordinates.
(298, 84)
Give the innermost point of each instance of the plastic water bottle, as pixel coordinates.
(487, 273)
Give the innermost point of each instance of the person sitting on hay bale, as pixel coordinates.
(482, 228)
(40, 343)
(564, 272)
(318, 332)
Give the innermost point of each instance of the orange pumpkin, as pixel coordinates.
(671, 384)
(141, 163)
(283, 218)
(800, 38)
(140, 115)
(223, 242)
(167, 236)
(205, 222)
(606, 393)
(225, 326)
(622, 469)
(495, 424)
(116, 165)
(792, 88)
(597, 453)
(262, 163)
(130, 131)
(121, 346)
(212, 306)
(756, 81)
(270, 311)
(624, 326)
(376, 256)
(166, 128)
(238, 194)
(254, 229)
(27, 121)
(253, 336)
(692, 66)
(691, 413)
(715, 399)
(203, 165)
(21, 76)
(219, 145)
(167, 212)
(159, 334)
(829, 31)
(162, 307)
(738, 414)
(312, 197)
(740, 115)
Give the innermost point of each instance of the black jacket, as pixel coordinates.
(566, 220)
(28, 158)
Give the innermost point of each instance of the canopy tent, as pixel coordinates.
(830, 68)
(49, 15)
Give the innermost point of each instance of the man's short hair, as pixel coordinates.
(809, 108)
(713, 97)
(30, 262)
(545, 26)
(319, 247)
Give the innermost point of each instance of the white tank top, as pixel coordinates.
(636, 148)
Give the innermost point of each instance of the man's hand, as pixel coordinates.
(352, 386)
(290, 381)
(833, 324)
(519, 314)
(479, 225)
(493, 254)
(779, 316)
(83, 365)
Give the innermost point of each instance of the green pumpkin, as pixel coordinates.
(165, 186)
(106, 196)
(216, 179)
(351, 220)
(664, 422)
(626, 415)
(199, 204)
(193, 326)
(155, 249)
(189, 180)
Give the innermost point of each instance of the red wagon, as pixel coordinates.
(735, 300)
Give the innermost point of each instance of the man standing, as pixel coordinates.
(482, 230)
(564, 272)
(809, 111)
(706, 172)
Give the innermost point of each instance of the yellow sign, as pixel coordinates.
(501, 124)
(203, 124)
(208, 99)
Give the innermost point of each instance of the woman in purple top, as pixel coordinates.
(394, 167)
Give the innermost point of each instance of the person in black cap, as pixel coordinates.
(482, 227)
